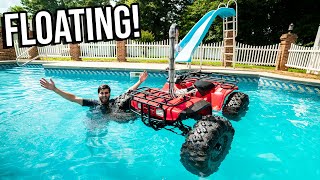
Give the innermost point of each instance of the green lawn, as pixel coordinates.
(248, 66)
(148, 60)
(55, 59)
(99, 59)
(205, 63)
(297, 70)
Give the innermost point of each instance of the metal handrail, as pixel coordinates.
(236, 27)
(27, 51)
(222, 4)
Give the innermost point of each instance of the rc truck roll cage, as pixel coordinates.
(146, 99)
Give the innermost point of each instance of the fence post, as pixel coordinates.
(121, 51)
(75, 52)
(282, 59)
(33, 52)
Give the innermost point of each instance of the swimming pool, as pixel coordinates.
(45, 136)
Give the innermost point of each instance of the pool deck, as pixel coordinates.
(152, 67)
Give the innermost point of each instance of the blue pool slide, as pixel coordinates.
(191, 41)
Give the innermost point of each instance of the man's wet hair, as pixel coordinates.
(104, 86)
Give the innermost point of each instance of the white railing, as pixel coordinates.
(304, 57)
(99, 49)
(147, 50)
(59, 50)
(257, 55)
(20, 51)
(22, 54)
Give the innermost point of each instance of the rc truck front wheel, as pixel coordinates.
(206, 145)
(235, 106)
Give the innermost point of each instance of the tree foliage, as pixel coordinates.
(16, 9)
(260, 22)
(33, 6)
(156, 16)
(195, 12)
(146, 36)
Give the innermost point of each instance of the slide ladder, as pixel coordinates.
(230, 31)
(185, 49)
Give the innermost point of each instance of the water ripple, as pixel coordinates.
(44, 136)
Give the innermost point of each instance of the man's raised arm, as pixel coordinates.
(51, 86)
(143, 76)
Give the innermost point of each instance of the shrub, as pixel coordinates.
(146, 36)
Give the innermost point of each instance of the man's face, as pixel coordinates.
(104, 96)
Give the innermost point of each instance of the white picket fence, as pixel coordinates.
(59, 50)
(147, 50)
(160, 50)
(307, 58)
(257, 55)
(209, 52)
(299, 57)
(98, 50)
(245, 54)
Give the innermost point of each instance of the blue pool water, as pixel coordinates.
(45, 136)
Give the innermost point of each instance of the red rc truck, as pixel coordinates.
(193, 95)
(209, 141)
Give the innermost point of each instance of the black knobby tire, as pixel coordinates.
(236, 105)
(122, 102)
(207, 145)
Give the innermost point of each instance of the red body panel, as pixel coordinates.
(218, 97)
(172, 112)
(214, 96)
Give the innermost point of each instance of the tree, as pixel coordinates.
(260, 22)
(146, 36)
(37, 5)
(263, 22)
(16, 9)
(157, 16)
(195, 12)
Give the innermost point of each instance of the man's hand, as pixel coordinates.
(44, 83)
(143, 76)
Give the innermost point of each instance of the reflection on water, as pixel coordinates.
(96, 123)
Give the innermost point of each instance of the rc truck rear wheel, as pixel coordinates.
(206, 145)
(236, 105)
